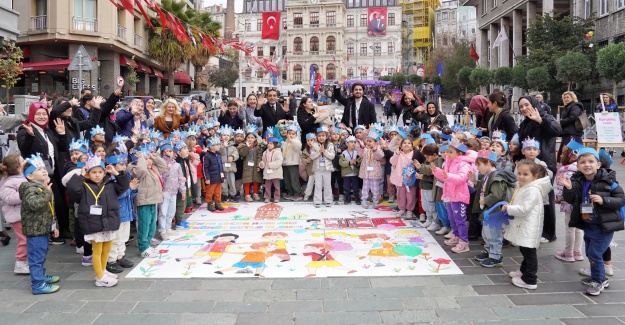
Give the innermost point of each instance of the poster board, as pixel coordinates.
(609, 128)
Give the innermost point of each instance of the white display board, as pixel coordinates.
(609, 128)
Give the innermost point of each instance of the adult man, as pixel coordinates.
(377, 25)
(292, 104)
(358, 109)
(272, 112)
(543, 105)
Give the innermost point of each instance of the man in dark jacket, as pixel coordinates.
(272, 112)
(572, 111)
(358, 109)
(231, 115)
(110, 128)
(292, 105)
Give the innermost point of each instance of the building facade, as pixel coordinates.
(454, 24)
(8, 20)
(331, 35)
(417, 32)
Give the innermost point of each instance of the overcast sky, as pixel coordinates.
(238, 4)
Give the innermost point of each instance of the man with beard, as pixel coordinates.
(358, 109)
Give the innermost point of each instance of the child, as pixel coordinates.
(188, 166)
(292, 151)
(406, 196)
(485, 142)
(12, 178)
(426, 184)
(596, 199)
(173, 184)
(148, 169)
(513, 149)
(531, 150)
(437, 195)
(213, 175)
(239, 138)
(526, 206)
(78, 157)
(573, 236)
(229, 155)
(251, 154)
(322, 154)
(336, 181)
(271, 164)
(196, 166)
(500, 148)
(97, 136)
(371, 171)
(117, 260)
(38, 220)
(491, 189)
(98, 211)
(324, 113)
(456, 193)
(349, 161)
(311, 139)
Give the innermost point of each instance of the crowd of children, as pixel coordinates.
(447, 179)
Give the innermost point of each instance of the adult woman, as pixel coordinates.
(479, 107)
(430, 116)
(170, 118)
(306, 117)
(148, 109)
(609, 103)
(544, 128)
(405, 108)
(132, 117)
(247, 113)
(501, 119)
(35, 137)
(572, 111)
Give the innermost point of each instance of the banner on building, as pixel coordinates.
(376, 22)
(271, 25)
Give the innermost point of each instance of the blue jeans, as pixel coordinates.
(597, 242)
(493, 239)
(441, 211)
(167, 212)
(37, 248)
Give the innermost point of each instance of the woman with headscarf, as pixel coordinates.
(479, 107)
(247, 113)
(405, 108)
(131, 117)
(148, 109)
(544, 128)
(430, 115)
(170, 117)
(36, 136)
(572, 111)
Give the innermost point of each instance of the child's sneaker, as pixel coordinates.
(171, 232)
(125, 263)
(595, 288)
(80, 250)
(491, 262)
(87, 261)
(565, 256)
(114, 267)
(164, 236)
(45, 288)
(608, 270)
(218, 206)
(391, 199)
(409, 215)
(21, 267)
(449, 235)
(453, 241)
(296, 198)
(427, 223)
(267, 200)
(578, 256)
(341, 197)
(210, 206)
(434, 227)
(248, 198)
(482, 256)
(521, 284)
(443, 231)
(422, 217)
(401, 214)
(105, 282)
(328, 205)
(515, 274)
(461, 247)
(589, 280)
(256, 197)
(306, 197)
(49, 279)
(317, 206)
(149, 253)
(154, 242)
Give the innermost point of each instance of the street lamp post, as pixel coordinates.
(373, 48)
(240, 90)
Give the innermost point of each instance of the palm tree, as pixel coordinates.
(201, 54)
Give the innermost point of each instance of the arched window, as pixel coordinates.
(331, 45)
(314, 45)
(297, 46)
(297, 73)
(330, 72)
(350, 72)
(260, 73)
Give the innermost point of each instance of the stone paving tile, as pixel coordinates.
(187, 284)
(208, 319)
(273, 319)
(137, 319)
(463, 262)
(238, 284)
(221, 295)
(362, 305)
(466, 280)
(364, 293)
(136, 295)
(449, 291)
(344, 283)
(173, 307)
(75, 319)
(536, 312)
(481, 270)
(385, 282)
(135, 284)
(430, 303)
(54, 307)
(107, 307)
(608, 296)
(592, 321)
(16, 306)
(22, 319)
(295, 306)
(240, 307)
(317, 294)
(499, 278)
(522, 322)
(361, 317)
(296, 284)
(549, 287)
(408, 316)
(550, 299)
(602, 310)
(483, 301)
(466, 314)
(269, 295)
(94, 294)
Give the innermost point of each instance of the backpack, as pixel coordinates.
(622, 209)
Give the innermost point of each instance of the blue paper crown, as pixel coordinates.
(116, 159)
(488, 155)
(575, 146)
(36, 162)
(446, 136)
(251, 128)
(311, 136)
(343, 131)
(322, 129)
(272, 139)
(193, 128)
(475, 132)
(499, 135)
(207, 125)
(455, 143)
(214, 141)
(486, 138)
(531, 143)
(362, 127)
(322, 99)
(429, 140)
(97, 130)
(79, 145)
(515, 138)
(94, 161)
(179, 146)
(182, 135)
(459, 128)
(586, 151)
(409, 176)
(166, 144)
(443, 148)
(239, 131)
(226, 130)
(293, 127)
(393, 128)
(120, 139)
(374, 134)
(350, 138)
(503, 144)
(155, 134)
(145, 149)
(379, 127)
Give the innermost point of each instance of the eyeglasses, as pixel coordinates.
(40, 105)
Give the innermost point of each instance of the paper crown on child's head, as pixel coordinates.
(530, 143)
(116, 159)
(588, 151)
(177, 133)
(94, 161)
(443, 148)
(499, 135)
(146, 149)
(179, 145)
(487, 154)
(378, 127)
(343, 131)
(603, 154)
(409, 176)
(361, 127)
(151, 146)
(274, 140)
(446, 136)
(486, 138)
(35, 162)
(207, 125)
(239, 131)
(214, 141)
(251, 128)
(269, 133)
(79, 145)
(575, 146)
(503, 144)
(459, 128)
(515, 138)
(374, 134)
(426, 135)
(120, 139)
(189, 134)
(310, 136)
(428, 141)
(323, 99)
(393, 128)
(226, 130)
(455, 143)
(97, 130)
(475, 132)
(193, 128)
(402, 134)
(122, 148)
(155, 134)
(322, 128)
(216, 124)
(350, 138)
(293, 127)
(166, 144)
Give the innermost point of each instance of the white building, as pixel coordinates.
(454, 24)
(218, 14)
(330, 34)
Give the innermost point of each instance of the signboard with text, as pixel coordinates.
(609, 128)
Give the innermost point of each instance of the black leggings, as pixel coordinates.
(607, 255)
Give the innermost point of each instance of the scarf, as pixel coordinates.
(32, 110)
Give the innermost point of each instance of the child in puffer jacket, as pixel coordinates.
(12, 178)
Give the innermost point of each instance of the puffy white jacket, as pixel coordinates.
(528, 211)
(10, 198)
(291, 152)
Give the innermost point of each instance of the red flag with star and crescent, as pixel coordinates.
(271, 25)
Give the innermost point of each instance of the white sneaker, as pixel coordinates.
(608, 270)
(164, 236)
(515, 274)
(171, 233)
(426, 224)
(391, 199)
(110, 275)
(544, 240)
(341, 197)
(443, 231)
(21, 267)
(80, 250)
(401, 214)
(149, 253)
(422, 217)
(155, 242)
(449, 235)
(434, 227)
(106, 281)
(409, 215)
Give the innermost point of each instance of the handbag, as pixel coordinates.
(582, 122)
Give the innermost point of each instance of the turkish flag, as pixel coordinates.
(318, 82)
(473, 53)
(271, 25)
(128, 6)
(145, 14)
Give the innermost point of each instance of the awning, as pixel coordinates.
(180, 78)
(48, 65)
(123, 60)
(158, 74)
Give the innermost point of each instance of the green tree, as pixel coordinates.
(415, 79)
(611, 63)
(519, 77)
(454, 61)
(464, 78)
(222, 78)
(538, 78)
(10, 64)
(398, 80)
(481, 77)
(200, 54)
(384, 78)
(503, 76)
(573, 67)
(437, 80)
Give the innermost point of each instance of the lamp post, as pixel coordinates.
(240, 90)
(373, 48)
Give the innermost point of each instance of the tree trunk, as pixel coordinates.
(569, 89)
(198, 77)
(170, 82)
(614, 87)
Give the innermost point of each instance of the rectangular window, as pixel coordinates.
(391, 19)
(363, 48)
(587, 8)
(484, 7)
(391, 47)
(314, 19)
(604, 7)
(350, 20)
(85, 16)
(350, 73)
(453, 15)
(494, 3)
(297, 75)
(350, 48)
(438, 16)
(444, 16)
(283, 50)
(363, 20)
(298, 20)
(259, 73)
(620, 4)
(331, 18)
(272, 50)
(259, 24)
(259, 52)
(377, 48)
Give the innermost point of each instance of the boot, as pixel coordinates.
(218, 206)
(211, 207)
(5, 238)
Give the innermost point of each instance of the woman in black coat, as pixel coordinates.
(501, 119)
(430, 116)
(405, 108)
(572, 111)
(35, 136)
(306, 118)
(545, 129)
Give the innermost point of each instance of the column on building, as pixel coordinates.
(531, 15)
(481, 38)
(517, 34)
(504, 50)
(110, 69)
(494, 54)
(547, 7)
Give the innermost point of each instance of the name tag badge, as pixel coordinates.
(587, 208)
(227, 165)
(95, 210)
(269, 171)
(439, 184)
(322, 164)
(446, 200)
(250, 163)
(369, 169)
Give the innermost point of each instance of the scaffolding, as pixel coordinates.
(419, 15)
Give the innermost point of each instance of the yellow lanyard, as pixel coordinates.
(51, 205)
(516, 190)
(94, 195)
(288, 146)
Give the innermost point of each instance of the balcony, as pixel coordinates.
(85, 24)
(331, 25)
(314, 25)
(138, 40)
(298, 26)
(314, 52)
(298, 53)
(121, 32)
(331, 52)
(39, 22)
